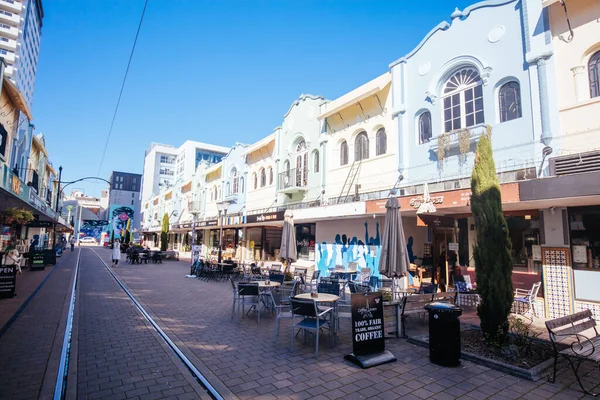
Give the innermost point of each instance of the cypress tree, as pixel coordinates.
(492, 252)
(164, 233)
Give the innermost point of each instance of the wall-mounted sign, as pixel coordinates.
(453, 246)
(201, 224)
(265, 217)
(416, 202)
(536, 252)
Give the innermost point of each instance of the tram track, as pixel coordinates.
(62, 377)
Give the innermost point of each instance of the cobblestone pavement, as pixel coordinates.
(30, 347)
(244, 357)
(120, 356)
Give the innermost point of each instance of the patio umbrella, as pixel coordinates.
(394, 256)
(427, 205)
(288, 249)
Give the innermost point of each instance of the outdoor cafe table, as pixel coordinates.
(265, 287)
(324, 298)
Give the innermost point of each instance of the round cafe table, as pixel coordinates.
(265, 285)
(265, 288)
(324, 298)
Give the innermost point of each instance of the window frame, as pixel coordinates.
(263, 177)
(361, 146)
(593, 66)
(380, 142)
(271, 178)
(255, 176)
(316, 162)
(420, 127)
(503, 109)
(344, 153)
(457, 97)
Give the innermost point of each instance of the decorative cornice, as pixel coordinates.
(483, 4)
(533, 58)
(442, 26)
(303, 97)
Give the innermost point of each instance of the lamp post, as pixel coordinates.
(222, 208)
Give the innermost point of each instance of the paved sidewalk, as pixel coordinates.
(29, 347)
(119, 354)
(245, 359)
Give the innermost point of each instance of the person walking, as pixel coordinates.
(116, 252)
(72, 242)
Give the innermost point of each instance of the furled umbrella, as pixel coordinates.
(394, 256)
(288, 249)
(426, 205)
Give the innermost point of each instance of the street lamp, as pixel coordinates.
(222, 208)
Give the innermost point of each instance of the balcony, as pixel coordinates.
(9, 31)
(8, 56)
(453, 139)
(293, 181)
(194, 207)
(13, 6)
(8, 44)
(9, 18)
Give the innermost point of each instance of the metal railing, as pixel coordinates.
(294, 178)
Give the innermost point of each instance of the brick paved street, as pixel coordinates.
(120, 355)
(30, 347)
(244, 358)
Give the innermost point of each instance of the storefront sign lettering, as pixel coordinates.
(207, 223)
(417, 201)
(367, 324)
(8, 281)
(265, 217)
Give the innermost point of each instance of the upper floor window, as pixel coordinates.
(255, 180)
(594, 71)
(361, 147)
(270, 175)
(381, 142)
(234, 180)
(425, 127)
(462, 98)
(316, 162)
(301, 163)
(344, 153)
(241, 184)
(263, 177)
(509, 99)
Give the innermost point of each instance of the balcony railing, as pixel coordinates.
(294, 179)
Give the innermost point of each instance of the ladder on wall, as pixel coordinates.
(350, 179)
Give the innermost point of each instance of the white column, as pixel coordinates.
(579, 83)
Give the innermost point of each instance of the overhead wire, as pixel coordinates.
(112, 123)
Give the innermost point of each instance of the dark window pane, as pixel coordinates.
(469, 120)
(479, 104)
(447, 102)
(447, 114)
(480, 119)
(478, 91)
(456, 98)
(456, 111)
(448, 126)
(469, 107)
(456, 123)
(469, 94)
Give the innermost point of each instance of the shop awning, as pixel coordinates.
(260, 144)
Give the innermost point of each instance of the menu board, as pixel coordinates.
(38, 260)
(8, 281)
(367, 323)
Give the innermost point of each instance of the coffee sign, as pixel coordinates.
(416, 202)
(367, 323)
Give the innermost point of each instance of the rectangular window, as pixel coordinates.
(132, 195)
(452, 113)
(131, 202)
(474, 106)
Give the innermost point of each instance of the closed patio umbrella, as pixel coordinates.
(427, 205)
(394, 256)
(288, 239)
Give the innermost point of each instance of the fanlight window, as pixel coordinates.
(463, 100)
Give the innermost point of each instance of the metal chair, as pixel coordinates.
(312, 319)
(276, 277)
(281, 299)
(235, 297)
(248, 294)
(330, 288)
(527, 298)
(428, 288)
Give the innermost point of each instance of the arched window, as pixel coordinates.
(263, 177)
(234, 180)
(361, 147)
(219, 194)
(270, 175)
(301, 163)
(316, 162)
(425, 127)
(344, 153)
(462, 99)
(509, 100)
(216, 194)
(380, 142)
(241, 185)
(255, 181)
(594, 71)
(228, 189)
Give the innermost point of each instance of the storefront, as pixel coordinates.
(263, 236)
(208, 238)
(306, 236)
(584, 231)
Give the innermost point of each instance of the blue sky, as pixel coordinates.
(217, 71)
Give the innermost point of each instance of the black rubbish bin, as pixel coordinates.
(444, 333)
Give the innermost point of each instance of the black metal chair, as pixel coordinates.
(276, 277)
(248, 295)
(312, 319)
(330, 288)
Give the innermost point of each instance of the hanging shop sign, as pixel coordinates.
(16, 185)
(8, 281)
(368, 341)
(265, 217)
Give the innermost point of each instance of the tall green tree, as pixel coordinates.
(492, 251)
(164, 233)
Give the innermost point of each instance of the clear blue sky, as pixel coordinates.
(217, 71)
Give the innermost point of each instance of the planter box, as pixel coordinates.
(391, 319)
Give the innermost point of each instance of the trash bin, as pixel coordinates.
(444, 333)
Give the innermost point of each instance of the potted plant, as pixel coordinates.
(9, 215)
(24, 217)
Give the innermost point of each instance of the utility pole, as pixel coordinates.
(58, 188)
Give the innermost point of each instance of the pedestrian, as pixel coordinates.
(116, 253)
(63, 242)
(72, 242)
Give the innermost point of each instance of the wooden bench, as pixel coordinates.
(411, 305)
(569, 331)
